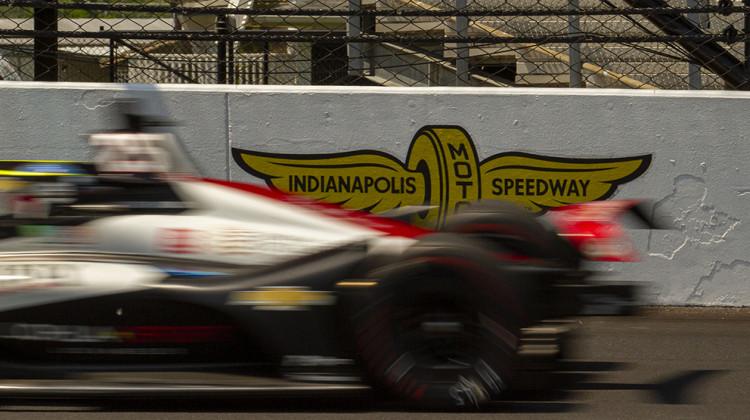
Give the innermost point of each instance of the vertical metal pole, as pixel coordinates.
(463, 78)
(354, 49)
(230, 62)
(221, 50)
(266, 57)
(112, 65)
(694, 70)
(746, 84)
(574, 49)
(45, 47)
(368, 27)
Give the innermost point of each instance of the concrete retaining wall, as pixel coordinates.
(695, 146)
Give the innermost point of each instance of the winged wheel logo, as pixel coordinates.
(442, 170)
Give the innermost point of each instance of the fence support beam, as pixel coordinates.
(574, 49)
(746, 3)
(221, 50)
(112, 64)
(463, 78)
(45, 47)
(710, 54)
(354, 29)
(230, 62)
(266, 61)
(694, 70)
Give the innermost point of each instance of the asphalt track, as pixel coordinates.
(665, 363)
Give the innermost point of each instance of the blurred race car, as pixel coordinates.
(129, 276)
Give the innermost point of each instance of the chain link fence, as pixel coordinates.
(639, 44)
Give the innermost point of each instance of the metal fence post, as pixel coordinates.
(266, 61)
(694, 70)
(574, 49)
(230, 62)
(112, 64)
(45, 47)
(221, 50)
(354, 49)
(463, 78)
(746, 86)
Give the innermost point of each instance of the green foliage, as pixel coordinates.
(10, 12)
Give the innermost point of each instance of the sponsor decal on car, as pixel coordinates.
(180, 241)
(227, 240)
(442, 169)
(20, 277)
(131, 152)
(111, 334)
(11, 184)
(58, 333)
(67, 235)
(30, 282)
(41, 168)
(282, 298)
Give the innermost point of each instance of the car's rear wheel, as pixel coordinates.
(442, 331)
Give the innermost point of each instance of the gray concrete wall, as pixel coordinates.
(698, 143)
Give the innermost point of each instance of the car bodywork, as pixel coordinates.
(127, 266)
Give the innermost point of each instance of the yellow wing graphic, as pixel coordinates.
(539, 182)
(366, 180)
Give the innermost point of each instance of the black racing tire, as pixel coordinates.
(443, 327)
(510, 227)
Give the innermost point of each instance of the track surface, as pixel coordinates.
(666, 363)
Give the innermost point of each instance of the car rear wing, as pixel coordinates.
(595, 228)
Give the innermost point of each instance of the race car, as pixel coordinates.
(132, 276)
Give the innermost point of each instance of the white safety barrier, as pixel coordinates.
(684, 150)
